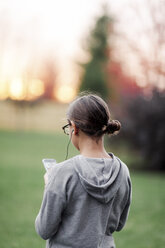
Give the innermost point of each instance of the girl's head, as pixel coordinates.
(91, 115)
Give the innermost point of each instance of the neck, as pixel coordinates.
(91, 148)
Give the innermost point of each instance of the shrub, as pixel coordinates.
(144, 128)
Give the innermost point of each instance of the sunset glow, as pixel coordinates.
(3, 91)
(65, 93)
(36, 89)
(52, 47)
(16, 89)
(19, 89)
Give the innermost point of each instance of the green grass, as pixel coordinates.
(21, 189)
(145, 227)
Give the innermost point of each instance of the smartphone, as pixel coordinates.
(48, 163)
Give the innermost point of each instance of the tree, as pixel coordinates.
(125, 85)
(146, 42)
(94, 77)
(125, 88)
(48, 76)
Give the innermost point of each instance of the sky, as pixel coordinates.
(51, 26)
(38, 27)
(34, 29)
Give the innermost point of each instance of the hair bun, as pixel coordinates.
(113, 126)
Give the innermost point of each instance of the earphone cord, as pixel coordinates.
(67, 150)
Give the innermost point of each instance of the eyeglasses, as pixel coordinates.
(66, 128)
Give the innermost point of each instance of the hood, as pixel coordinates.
(100, 177)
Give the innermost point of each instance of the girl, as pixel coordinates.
(87, 197)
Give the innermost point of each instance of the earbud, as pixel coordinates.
(74, 131)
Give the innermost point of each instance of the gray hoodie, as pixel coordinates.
(84, 202)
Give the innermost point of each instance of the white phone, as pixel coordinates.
(48, 163)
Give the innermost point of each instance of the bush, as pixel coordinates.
(144, 128)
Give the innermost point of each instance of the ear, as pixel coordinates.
(74, 128)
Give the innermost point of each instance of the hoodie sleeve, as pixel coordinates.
(49, 217)
(125, 212)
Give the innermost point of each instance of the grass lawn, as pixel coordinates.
(21, 188)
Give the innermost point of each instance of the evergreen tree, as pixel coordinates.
(94, 77)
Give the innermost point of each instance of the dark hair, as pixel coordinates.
(90, 114)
